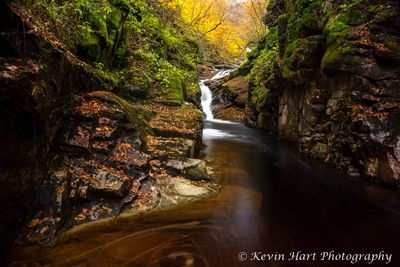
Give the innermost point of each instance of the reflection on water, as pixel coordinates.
(273, 199)
(214, 133)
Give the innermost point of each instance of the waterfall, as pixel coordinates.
(221, 74)
(206, 99)
(206, 94)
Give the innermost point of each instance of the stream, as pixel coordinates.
(273, 200)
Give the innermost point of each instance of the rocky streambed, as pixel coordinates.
(110, 160)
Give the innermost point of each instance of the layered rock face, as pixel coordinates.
(327, 75)
(31, 107)
(76, 145)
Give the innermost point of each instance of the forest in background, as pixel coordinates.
(226, 28)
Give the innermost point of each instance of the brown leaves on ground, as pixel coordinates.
(81, 137)
(144, 198)
(93, 213)
(363, 112)
(12, 69)
(95, 107)
(364, 38)
(104, 131)
(44, 29)
(37, 221)
(181, 120)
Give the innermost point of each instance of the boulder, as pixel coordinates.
(194, 169)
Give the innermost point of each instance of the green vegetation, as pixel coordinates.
(304, 19)
(126, 42)
(262, 61)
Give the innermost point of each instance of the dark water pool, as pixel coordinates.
(273, 200)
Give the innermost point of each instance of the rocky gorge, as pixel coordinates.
(108, 160)
(326, 75)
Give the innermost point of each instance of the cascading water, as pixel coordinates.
(206, 99)
(206, 94)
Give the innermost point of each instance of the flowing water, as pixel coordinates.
(206, 95)
(273, 200)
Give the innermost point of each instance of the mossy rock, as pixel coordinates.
(302, 53)
(305, 18)
(138, 118)
(258, 98)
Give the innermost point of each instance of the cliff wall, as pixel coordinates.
(326, 74)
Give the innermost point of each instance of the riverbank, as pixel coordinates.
(95, 121)
(273, 199)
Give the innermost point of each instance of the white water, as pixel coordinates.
(221, 74)
(206, 95)
(206, 98)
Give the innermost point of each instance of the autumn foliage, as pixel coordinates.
(227, 25)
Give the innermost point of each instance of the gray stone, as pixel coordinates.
(108, 184)
(136, 92)
(194, 169)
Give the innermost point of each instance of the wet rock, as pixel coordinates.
(194, 169)
(183, 187)
(178, 189)
(53, 206)
(394, 168)
(93, 180)
(105, 184)
(91, 212)
(127, 154)
(98, 104)
(104, 132)
(397, 149)
(136, 92)
(102, 147)
(174, 122)
(177, 122)
(80, 137)
(353, 171)
(230, 98)
(172, 147)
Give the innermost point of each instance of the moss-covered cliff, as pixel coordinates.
(94, 109)
(326, 74)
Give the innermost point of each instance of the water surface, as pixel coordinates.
(273, 199)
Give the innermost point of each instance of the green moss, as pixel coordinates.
(126, 43)
(193, 92)
(138, 117)
(164, 65)
(304, 19)
(302, 53)
(331, 56)
(346, 50)
(93, 30)
(258, 97)
(336, 26)
(260, 65)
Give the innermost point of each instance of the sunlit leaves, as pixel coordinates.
(227, 25)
